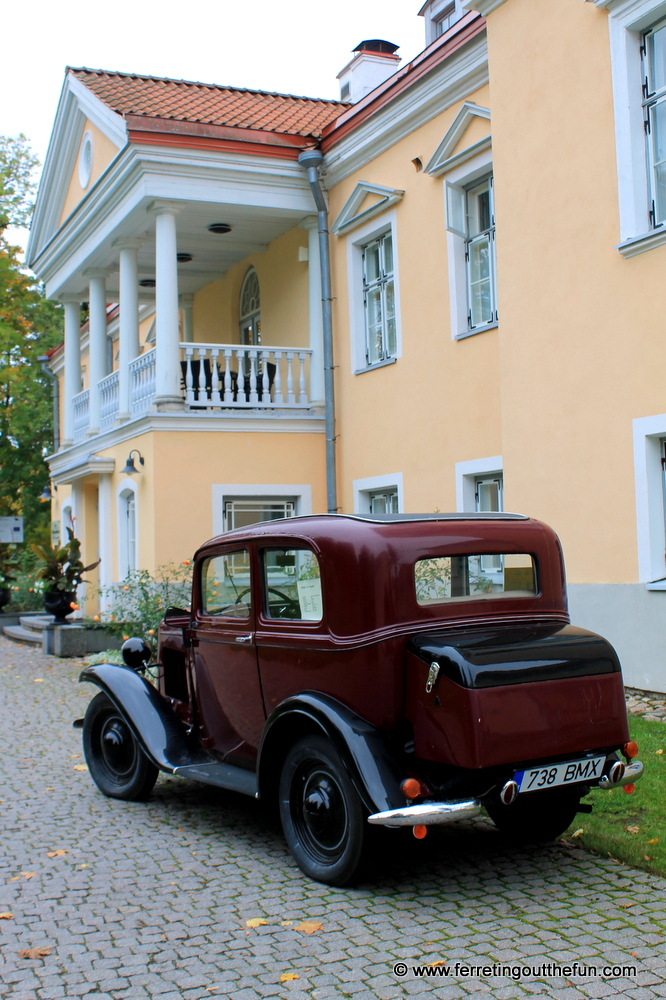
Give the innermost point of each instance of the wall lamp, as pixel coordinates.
(46, 494)
(130, 467)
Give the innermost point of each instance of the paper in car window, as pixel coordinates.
(309, 596)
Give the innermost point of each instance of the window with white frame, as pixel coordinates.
(653, 52)
(379, 299)
(446, 18)
(379, 494)
(488, 497)
(239, 513)
(238, 505)
(374, 294)
(128, 561)
(250, 309)
(440, 15)
(471, 216)
(384, 501)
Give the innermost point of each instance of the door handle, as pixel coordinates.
(244, 638)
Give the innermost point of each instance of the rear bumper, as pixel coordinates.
(632, 773)
(428, 813)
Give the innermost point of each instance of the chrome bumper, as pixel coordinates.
(428, 813)
(632, 773)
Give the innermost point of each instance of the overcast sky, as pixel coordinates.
(292, 46)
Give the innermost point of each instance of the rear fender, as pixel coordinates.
(365, 751)
(153, 722)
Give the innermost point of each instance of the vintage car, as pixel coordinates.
(403, 670)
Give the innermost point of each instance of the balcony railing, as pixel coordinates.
(108, 402)
(239, 377)
(81, 415)
(142, 382)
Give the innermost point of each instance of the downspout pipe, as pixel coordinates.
(44, 361)
(311, 159)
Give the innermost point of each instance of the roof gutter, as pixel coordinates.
(311, 159)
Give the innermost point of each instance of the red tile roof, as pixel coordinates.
(209, 104)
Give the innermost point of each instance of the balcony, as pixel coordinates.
(221, 378)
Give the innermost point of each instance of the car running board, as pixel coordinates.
(234, 779)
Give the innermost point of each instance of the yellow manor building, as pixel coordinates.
(493, 334)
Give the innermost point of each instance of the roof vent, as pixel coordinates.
(374, 61)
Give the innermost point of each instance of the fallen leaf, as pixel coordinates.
(440, 961)
(49, 789)
(659, 751)
(28, 874)
(73, 756)
(287, 976)
(569, 983)
(38, 680)
(647, 857)
(34, 952)
(578, 832)
(286, 923)
(15, 878)
(212, 989)
(80, 767)
(634, 954)
(625, 906)
(655, 840)
(255, 922)
(57, 854)
(632, 829)
(309, 926)
(82, 866)
(6, 916)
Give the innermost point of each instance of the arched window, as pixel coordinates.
(250, 315)
(127, 547)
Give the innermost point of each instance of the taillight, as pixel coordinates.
(630, 749)
(411, 788)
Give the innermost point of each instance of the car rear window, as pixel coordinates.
(474, 577)
(292, 584)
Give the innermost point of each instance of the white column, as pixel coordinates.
(105, 537)
(129, 321)
(187, 305)
(72, 365)
(316, 326)
(97, 356)
(77, 522)
(167, 333)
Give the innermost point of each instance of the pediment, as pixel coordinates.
(468, 134)
(79, 110)
(365, 201)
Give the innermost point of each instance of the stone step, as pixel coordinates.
(20, 634)
(36, 623)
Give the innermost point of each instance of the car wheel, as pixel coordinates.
(116, 762)
(535, 816)
(323, 819)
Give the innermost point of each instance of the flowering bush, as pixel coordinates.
(136, 606)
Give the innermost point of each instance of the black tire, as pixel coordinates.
(535, 816)
(116, 762)
(323, 818)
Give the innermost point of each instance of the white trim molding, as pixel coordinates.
(484, 7)
(82, 466)
(466, 474)
(300, 492)
(379, 226)
(123, 490)
(649, 483)
(364, 487)
(443, 160)
(350, 217)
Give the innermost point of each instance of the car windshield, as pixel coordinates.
(474, 577)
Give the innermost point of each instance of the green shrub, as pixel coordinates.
(137, 605)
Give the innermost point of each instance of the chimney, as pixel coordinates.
(374, 61)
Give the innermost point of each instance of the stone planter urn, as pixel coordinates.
(5, 597)
(59, 603)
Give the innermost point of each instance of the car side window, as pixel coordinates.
(292, 584)
(225, 585)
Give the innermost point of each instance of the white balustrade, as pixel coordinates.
(108, 404)
(142, 382)
(237, 376)
(81, 404)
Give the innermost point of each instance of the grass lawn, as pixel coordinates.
(631, 828)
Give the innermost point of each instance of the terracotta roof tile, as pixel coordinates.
(209, 104)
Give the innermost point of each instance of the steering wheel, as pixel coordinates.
(289, 604)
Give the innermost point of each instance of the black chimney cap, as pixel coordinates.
(376, 45)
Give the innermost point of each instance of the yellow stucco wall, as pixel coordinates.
(104, 151)
(582, 351)
(440, 402)
(283, 289)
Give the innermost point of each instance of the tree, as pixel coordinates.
(29, 326)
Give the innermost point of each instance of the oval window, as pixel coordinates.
(85, 160)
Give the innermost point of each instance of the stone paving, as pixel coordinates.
(646, 703)
(152, 899)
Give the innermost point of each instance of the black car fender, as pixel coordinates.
(157, 728)
(364, 750)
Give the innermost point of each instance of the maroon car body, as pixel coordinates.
(405, 670)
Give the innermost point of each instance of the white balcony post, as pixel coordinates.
(105, 537)
(167, 333)
(129, 321)
(97, 349)
(316, 327)
(72, 364)
(187, 305)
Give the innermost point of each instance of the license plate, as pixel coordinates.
(569, 772)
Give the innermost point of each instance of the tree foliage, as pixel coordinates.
(29, 327)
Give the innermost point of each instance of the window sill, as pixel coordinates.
(478, 329)
(656, 585)
(371, 368)
(639, 244)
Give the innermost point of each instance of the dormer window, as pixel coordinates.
(439, 16)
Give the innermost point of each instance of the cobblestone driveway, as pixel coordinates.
(151, 900)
